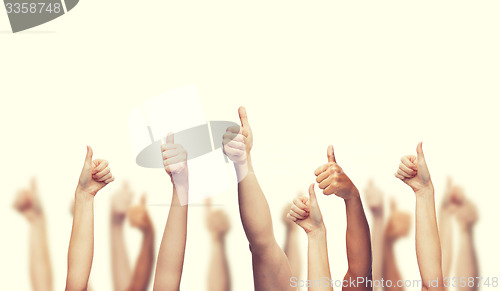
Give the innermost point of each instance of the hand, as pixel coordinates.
(305, 212)
(414, 172)
(238, 141)
(398, 224)
(333, 180)
(289, 224)
(374, 199)
(175, 161)
(217, 220)
(139, 217)
(120, 203)
(447, 204)
(466, 211)
(95, 174)
(27, 202)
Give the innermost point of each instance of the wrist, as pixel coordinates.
(425, 191)
(318, 232)
(81, 193)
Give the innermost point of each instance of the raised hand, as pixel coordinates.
(398, 224)
(138, 215)
(414, 172)
(120, 203)
(466, 211)
(305, 212)
(332, 179)
(95, 174)
(28, 203)
(374, 199)
(216, 220)
(175, 161)
(238, 140)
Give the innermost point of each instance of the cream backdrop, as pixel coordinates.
(370, 77)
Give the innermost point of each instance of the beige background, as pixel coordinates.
(371, 77)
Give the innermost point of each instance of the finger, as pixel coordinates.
(407, 170)
(236, 145)
(394, 205)
(143, 199)
(296, 209)
(420, 153)
(172, 153)
(329, 190)
(106, 177)
(330, 154)
(407, 161)
(243, 117)
(296, 215)
(291, 217)
(100, 165)
(325, 183)
(109, 180)
(101, 174)
(170, 138)
(321, 169)
(233, 129)
(175, 160)
(88, 157)
(323, 176)
(402, 173)
(33, 185)
(449, 182)
(312, 194)
(399, 176)
(233, 152)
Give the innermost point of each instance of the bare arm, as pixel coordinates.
(173, 244)
(375, 201)
(95, 175)
(445, 228)
(292, 246)
(219, 278)
(414, 172)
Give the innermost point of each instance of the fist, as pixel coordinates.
(175, 160)
(27, 202)
(139, 217)
(333, 180)
(238, 141)
(374, 199)
(398, 224)
(120, 203)
(95, 175)
(305, 212)
(216, 220)
(414, 172)
(466, 211)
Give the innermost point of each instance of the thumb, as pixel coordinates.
(170, 138)
(330, 154)
(88, 158)
(394, 205)
(143, 199)
(243, 117)
(420, 153)
(312, 195)
(33, 185)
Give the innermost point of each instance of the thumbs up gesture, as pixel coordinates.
(374, 199)
(95, 174)
(175, 161)
(138, 215)
(28, 203)
(398, 224)
(414, 172)
(333, 180)
(305, 212)
(120, 203)
(238, 141)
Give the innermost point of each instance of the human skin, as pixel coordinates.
(305, 213)
(217, 222)
(271, 270)
(292, 246)
(28, 204)
(333, 180)
(398, 226)
(445, 214)
(95, 175)
(375, 201)
(413, 171)
(173, 244)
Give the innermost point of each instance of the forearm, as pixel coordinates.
(119, 257)
(377, 245)
(81, 246)
(172, 248)
(427, 239)
(318, 267)
(390, 268)
(292, 250)
(254, 210)
(145, 262)
(358, 242)
(467, 261)
(445, 236)
(219, 278)
(40, 266)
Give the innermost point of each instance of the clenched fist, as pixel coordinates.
(139, 217)
(95, 175)
(398, 224)
(305, 212)
(333, 180)
(175, 161)
(27, 202)
(374, 199)
(238, 141)
(466, 211)
(120, 203)
(414, 172)
(216, 220)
